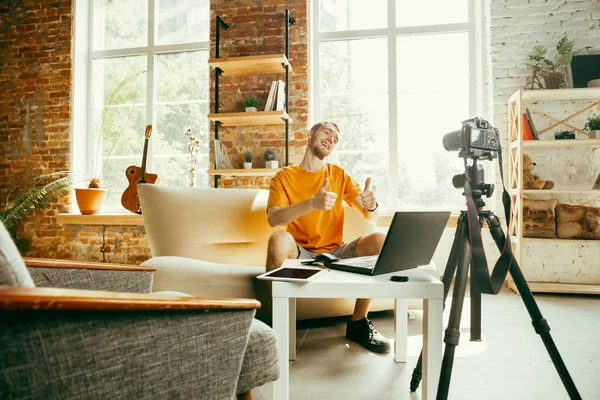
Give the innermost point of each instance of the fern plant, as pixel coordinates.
(38, 193)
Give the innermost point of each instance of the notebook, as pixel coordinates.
(409, 243)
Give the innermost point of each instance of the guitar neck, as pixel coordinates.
(143, 172)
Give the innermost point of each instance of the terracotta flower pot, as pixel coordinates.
(90, 201)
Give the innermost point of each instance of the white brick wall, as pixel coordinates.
(514, 26)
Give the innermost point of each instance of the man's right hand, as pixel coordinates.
(323, 200)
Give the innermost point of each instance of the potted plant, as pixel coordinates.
(270, 157)
(247, 153)
(552, 71)
(251, 102)
(91, 198)
(34, 194)
(593, 126)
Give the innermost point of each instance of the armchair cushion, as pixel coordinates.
(12, 268)
(261, 363)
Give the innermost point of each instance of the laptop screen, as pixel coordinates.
(410, 242)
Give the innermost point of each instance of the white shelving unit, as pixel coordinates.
(516, 107)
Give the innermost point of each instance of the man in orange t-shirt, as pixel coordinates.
(307, 198)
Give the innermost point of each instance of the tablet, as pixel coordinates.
(293, 274)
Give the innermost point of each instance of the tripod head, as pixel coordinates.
(476, 139)
(474, 173)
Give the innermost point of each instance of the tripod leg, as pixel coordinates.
(452, 333)
(475, 311)
(539, 322)
(451, 264)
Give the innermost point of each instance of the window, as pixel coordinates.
(396, 76)
(146, 62)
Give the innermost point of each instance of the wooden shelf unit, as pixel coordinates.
(245, 66)
(251, 118)
(516, 107)
(251, 65)
(244, 172)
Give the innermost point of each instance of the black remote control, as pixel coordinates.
(399, 278)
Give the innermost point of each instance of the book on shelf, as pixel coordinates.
(532, 125)
(280, 102)
(271, 97)
(527, 135)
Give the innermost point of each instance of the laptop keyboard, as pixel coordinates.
(362, 262)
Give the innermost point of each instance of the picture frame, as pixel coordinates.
(584, 67)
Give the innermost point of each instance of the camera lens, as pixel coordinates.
(451, 141)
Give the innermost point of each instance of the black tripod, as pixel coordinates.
(467, 250)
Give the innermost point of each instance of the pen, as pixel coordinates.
(323, 267)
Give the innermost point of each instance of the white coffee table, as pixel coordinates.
(338, 284)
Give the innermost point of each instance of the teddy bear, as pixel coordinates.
(531, 181)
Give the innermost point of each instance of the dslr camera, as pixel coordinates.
(477, 138)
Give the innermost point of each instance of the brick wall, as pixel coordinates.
(35, 111)
(35, 105)
(255, 28)
(515, 26)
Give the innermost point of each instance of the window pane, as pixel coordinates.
(182, 21)
(342, 15)
(353, 66)
(182, 102)
(431, 12)
(120, 24)
(119, 114)
(364, 141)
(354, 95)
(433, 99)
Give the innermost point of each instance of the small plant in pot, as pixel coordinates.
(553, 71)
(247, 153)
(270, 157)
(593, 126)
(251, 103)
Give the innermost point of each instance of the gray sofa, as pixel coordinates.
(59, 339)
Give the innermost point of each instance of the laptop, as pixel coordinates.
(409, 243)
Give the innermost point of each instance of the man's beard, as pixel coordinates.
(317, 150)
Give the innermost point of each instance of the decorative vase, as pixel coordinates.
(251, 109)
(272, 164)
(247, 165)
(90, 201)
(554, 80)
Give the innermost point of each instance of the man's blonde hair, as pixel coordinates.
(325, 124)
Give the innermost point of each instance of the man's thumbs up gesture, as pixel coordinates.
(369, 202)
(324, 200)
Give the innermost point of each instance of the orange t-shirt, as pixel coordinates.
(318, 230)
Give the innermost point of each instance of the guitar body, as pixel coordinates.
(129, 198)
(135, 175)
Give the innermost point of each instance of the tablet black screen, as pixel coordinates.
(296, 273)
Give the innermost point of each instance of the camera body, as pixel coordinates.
(477, 138)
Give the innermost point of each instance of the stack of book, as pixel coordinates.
(529, 131)
(276, 99)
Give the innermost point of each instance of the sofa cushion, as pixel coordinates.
(12, 268)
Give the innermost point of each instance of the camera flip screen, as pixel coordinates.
(477, 138)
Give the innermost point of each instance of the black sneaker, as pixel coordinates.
(364, 333)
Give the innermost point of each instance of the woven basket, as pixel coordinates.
(554, 80)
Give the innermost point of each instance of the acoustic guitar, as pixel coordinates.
(130, 199)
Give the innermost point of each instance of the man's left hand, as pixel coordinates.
(367, 197)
